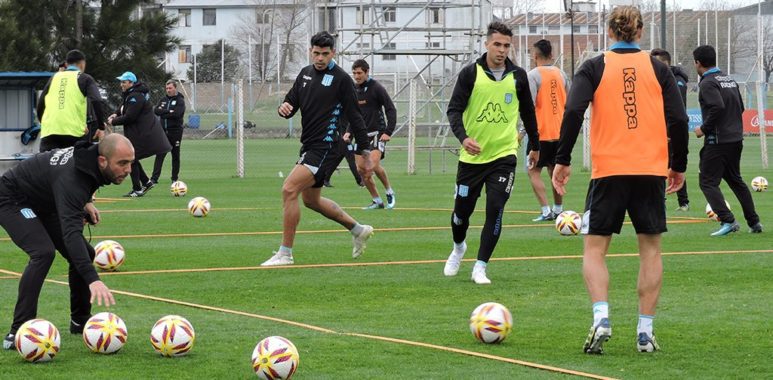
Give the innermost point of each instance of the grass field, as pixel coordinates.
(713, 320)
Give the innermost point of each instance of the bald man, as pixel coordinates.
(44, 203)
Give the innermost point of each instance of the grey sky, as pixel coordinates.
(557, 5)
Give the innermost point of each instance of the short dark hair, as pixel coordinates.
(706, 55)
(173, 82)
(544, 48)
(499, 27)
(74, 56)
(362, 64)
(661, 54)
(323, 39)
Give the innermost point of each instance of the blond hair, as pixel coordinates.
(625, 22)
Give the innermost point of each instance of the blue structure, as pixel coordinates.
(18, 96)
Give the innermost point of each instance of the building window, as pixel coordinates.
(390, 57)
(184, 54)
(390, 14)
(210, 17)
(363, 46)
(362, 15)
(593, 29)
(435, 15)
(184, 17)
(576, 29)
(432, 45)
(263, 16)
(533, 29)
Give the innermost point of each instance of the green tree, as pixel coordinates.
(35, 35)
(209, 66)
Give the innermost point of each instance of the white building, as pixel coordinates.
(402, 36)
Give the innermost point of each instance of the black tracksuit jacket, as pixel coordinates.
(324, 98)
(59, 182)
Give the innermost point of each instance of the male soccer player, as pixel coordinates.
(323, 92)
(43, 203)
(70, 106)
(483, 113)
(635, 108)
(374, 103)
(548, 86)
(171, 110)
(721, 108)
(681, 81)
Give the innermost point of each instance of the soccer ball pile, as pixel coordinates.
(199, 207)
(38, 340)
(759, 184)
(109, 255)
(179, 188)
(491, 322)
(713, 215)
(568, 223)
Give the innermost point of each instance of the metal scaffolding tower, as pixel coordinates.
(369, 35)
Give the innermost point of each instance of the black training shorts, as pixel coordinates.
(609, 198)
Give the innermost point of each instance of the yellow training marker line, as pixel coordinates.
(411, 262)
(263, 233)
(328, 331)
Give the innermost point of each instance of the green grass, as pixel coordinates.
(712, 322)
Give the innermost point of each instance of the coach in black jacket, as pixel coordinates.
(722, 110)
(141, 127)
(43, 202)
(171, 110)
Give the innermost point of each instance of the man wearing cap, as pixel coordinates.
(70, 101)
(141, 127)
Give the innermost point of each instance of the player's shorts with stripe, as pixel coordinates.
(497, 175)
(609, 198)
(321, 160)
(547, 154)
(374, 143)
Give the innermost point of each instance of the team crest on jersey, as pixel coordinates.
(28, 213)
(327, 80)
(508, 98)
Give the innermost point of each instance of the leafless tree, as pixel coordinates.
(745, 43)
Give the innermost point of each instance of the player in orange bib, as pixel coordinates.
(636, 106)
(548, 85)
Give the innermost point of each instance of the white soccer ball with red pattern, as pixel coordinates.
(172, 336)
(105, 333)
(199, 207)
(491, 322)
(275, 358)
(759, 184)
(713, 215)
(37, 340)
(109, 255)
(179, 188)
(568, 223)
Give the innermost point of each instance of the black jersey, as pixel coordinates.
(375, 104)
(59, 182)
(324, 98)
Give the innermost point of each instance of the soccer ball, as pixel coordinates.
(275, 358)
(713, 215)
(172, 336)
(759, 184)
(110, 255)
(198, 206)
(491, 322)
(568, 223)
(105, 333)
(37, 340)
(179, 188)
